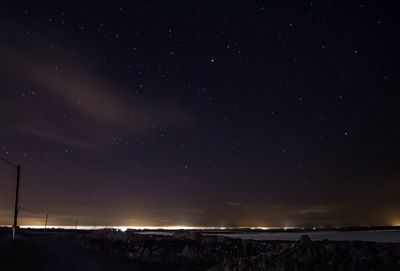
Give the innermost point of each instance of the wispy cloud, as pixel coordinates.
(94, 108)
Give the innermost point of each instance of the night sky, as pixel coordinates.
(201, 113)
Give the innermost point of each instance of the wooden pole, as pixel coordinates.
(45, 224)
(16, 206)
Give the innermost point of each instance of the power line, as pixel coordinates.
(8, 162)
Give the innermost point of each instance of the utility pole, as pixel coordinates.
(16, 206)
(45, 223)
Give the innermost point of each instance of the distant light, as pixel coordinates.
(288, 228)
(396, 223)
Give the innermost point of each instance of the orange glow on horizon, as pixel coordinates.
(139, 227)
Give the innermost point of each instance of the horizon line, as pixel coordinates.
(183, 227)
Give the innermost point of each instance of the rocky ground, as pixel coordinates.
(193, 251)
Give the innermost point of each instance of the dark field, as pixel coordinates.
(35, 250)
(112, 250)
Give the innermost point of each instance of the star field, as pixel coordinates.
(204, 113)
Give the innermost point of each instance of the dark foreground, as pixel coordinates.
(55, 251)
(110, 250)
